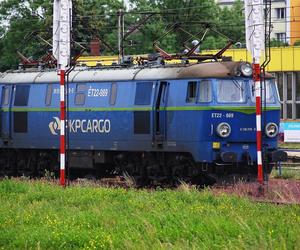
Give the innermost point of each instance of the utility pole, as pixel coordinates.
(62, 24)
(120, 35)
(254, 21)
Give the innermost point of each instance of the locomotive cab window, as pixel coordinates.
(5, 95)
(143, 93)
(231, 91)
(269, 92)
(205, 91)
(21, 95)
(191, 92)
(80, 94)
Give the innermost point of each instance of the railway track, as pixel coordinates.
(283, 203)
(277, 191)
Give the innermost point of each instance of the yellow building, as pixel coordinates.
(283, 59)
(294, 20)
(285, 17)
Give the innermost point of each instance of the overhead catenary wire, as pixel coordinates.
(164, 13)
(168, 11)
(188, 24)
(80, 17)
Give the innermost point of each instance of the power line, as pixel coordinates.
(166, 12)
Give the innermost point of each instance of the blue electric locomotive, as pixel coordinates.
(176, 121)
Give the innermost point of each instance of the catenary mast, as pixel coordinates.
(254, 22)
(62, 23)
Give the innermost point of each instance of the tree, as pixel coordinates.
(98, 19)
(22, 18)
(231, 22)
(192, 15)
(276, 43)
(297, 43)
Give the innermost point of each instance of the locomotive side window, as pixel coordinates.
(5, 95)
(143, 93)
(113, 94)
(80, 94)
(191, 92)
(205, 93)
(48, 98)
(230, 91)
(21, 95)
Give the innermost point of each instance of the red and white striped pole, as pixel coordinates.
(256, 80)
(254, 22)
(62, 24)
(62, 128)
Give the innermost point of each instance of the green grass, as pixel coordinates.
(286, 173)
(289, 145)
(38, 215)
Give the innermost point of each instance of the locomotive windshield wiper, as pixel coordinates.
(238, 85)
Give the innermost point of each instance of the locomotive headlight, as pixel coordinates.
(223, 129)
(246, 69)
(271, 130)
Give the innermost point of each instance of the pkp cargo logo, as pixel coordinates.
(82, 126)
(54, 126)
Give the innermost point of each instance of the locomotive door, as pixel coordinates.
(6, 100)
(160, 100)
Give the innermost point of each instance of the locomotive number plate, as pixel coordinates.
(97, 92)
(220, 115)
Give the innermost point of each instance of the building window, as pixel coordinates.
(289, 89)
(279, 80)
(297, 75)
(297, 86)
(281, 37)
(280, 13)
(297, 111)
(289, 86)
(289, 114)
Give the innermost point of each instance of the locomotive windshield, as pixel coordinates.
(230, 91)
(269, 92)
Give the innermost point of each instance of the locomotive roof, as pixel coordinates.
(189, 71)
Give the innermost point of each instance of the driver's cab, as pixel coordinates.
(242, 91)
